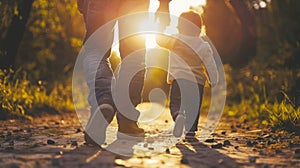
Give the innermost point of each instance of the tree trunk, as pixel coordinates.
(248, 25)
(15, 34)
(231, 27)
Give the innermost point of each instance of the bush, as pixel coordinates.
(20, 98)
(258, 92)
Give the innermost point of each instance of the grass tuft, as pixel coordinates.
(21, 98)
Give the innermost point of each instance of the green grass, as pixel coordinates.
(21, 98)
(284, 115)
(259, 93)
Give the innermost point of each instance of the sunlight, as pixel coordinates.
(149, 26)
(176, 8)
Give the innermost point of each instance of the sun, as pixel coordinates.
(176, 8)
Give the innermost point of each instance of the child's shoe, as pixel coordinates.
(179, 125)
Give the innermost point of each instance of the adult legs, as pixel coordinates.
(97, 68)
(132, 52)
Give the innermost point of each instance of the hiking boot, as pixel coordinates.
(129, 129)
(179, 125)
(95, 130)
(88, 140)
(191, 136)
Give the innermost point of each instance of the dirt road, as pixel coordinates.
(57, 141)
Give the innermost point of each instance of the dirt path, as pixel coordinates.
(57, 141)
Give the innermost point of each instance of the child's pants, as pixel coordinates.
(186, 96)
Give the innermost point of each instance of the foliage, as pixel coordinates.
(266, 89)
(259, 92)
(284, 115)
(7, 9)
(52, 40)
(19, 97)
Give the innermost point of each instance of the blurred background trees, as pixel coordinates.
(14, 17)
(39, 43)
(42, 37)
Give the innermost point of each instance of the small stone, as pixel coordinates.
(28, 130)
(46, 127)
(249, 143)
(291, 145)
(78, 130)
(168, 151)
(261, 152)
(150, 148)
(236, 139)
(50, 142)
(278, 151)
(270, 142)
(217, 146)
(145, 145)
(166, 121)
(297, 153)
(226, 143)
(220, 161)
(223, 132)
(252, 159)
(184, 160)
(210, 140)
(266, 166)
(273, 129)
(259, 139)
(11, 143)
(236, 147)
(238, 125)
(60, 153)
(74, 143)
(9, 133)
(15, 131)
